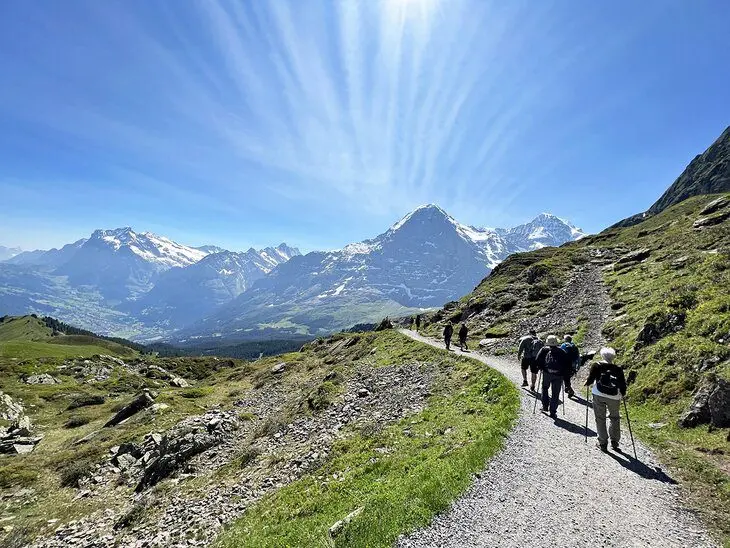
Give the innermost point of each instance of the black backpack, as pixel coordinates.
(552, 364)
(607, 382)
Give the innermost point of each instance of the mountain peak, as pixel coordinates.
(428, 212)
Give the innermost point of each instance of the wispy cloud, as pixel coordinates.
(322, 107)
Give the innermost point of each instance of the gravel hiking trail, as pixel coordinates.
(547, 487)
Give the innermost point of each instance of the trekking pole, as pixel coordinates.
(563, 383)
(539, 379)
(587, 389)
(628, 420)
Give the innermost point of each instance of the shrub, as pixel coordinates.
(85, 400)
(76, 421)
(193, 393)
(74, 472)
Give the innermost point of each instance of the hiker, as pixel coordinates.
(418, 322)
(573, 353)
(463, 332)
(448, 332)
(554, 364)
(530, 345)
(608, 389)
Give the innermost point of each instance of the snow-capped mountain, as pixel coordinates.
(9, 252)
(424, 260)
(182, 295)
(123, 264)
(545, 230)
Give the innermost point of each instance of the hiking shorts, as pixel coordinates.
(529, 363)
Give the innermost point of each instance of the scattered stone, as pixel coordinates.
(363, 393)
(144, 400)
(43, 378)
(278, 368)
(339, 526)
(656, 425)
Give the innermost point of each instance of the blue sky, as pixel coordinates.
(321, 123)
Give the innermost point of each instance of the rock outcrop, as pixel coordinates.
(144, 400)
(711, 405)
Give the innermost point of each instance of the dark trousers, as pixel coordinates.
(568, 388)
(447, 340)
(462, 343)
(555, 384)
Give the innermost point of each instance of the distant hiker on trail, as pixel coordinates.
(448, 332)
(530, 345)
(463, 332)
(609, 388)
(573, 353)
(554, 364)
(418, 322)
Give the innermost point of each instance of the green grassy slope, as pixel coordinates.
(26, 337)
(683, 283)
(430, 456)
(401, 475)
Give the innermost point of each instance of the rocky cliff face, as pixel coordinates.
(707, 173)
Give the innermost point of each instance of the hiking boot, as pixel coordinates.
(615, 446)
(571, 394)
(553, 415)
(602, 446)
(532, 387)
(524, 383)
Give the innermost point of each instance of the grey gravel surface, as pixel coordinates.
(548, 487)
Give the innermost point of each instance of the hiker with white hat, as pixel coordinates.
(554, 363)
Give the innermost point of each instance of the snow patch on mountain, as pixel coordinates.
(150, 247)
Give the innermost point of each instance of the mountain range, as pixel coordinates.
(138, 284)
(424, 260)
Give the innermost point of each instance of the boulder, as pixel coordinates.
(711, 405)
(9, 410)
(715, 205)
(278, 368)
(719, 404)
(658, 326)
(43, 378)
(179, 382)
(713, 220)
(142, 401)
(634, 257)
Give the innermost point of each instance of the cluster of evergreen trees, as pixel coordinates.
(62, 327)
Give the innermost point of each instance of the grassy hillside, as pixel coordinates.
(670, 322)
(26, 337)
(426, 455)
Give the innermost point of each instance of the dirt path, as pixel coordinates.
(549, 488)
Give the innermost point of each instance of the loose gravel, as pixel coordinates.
(548, 487)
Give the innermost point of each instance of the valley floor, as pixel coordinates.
(548, 487)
